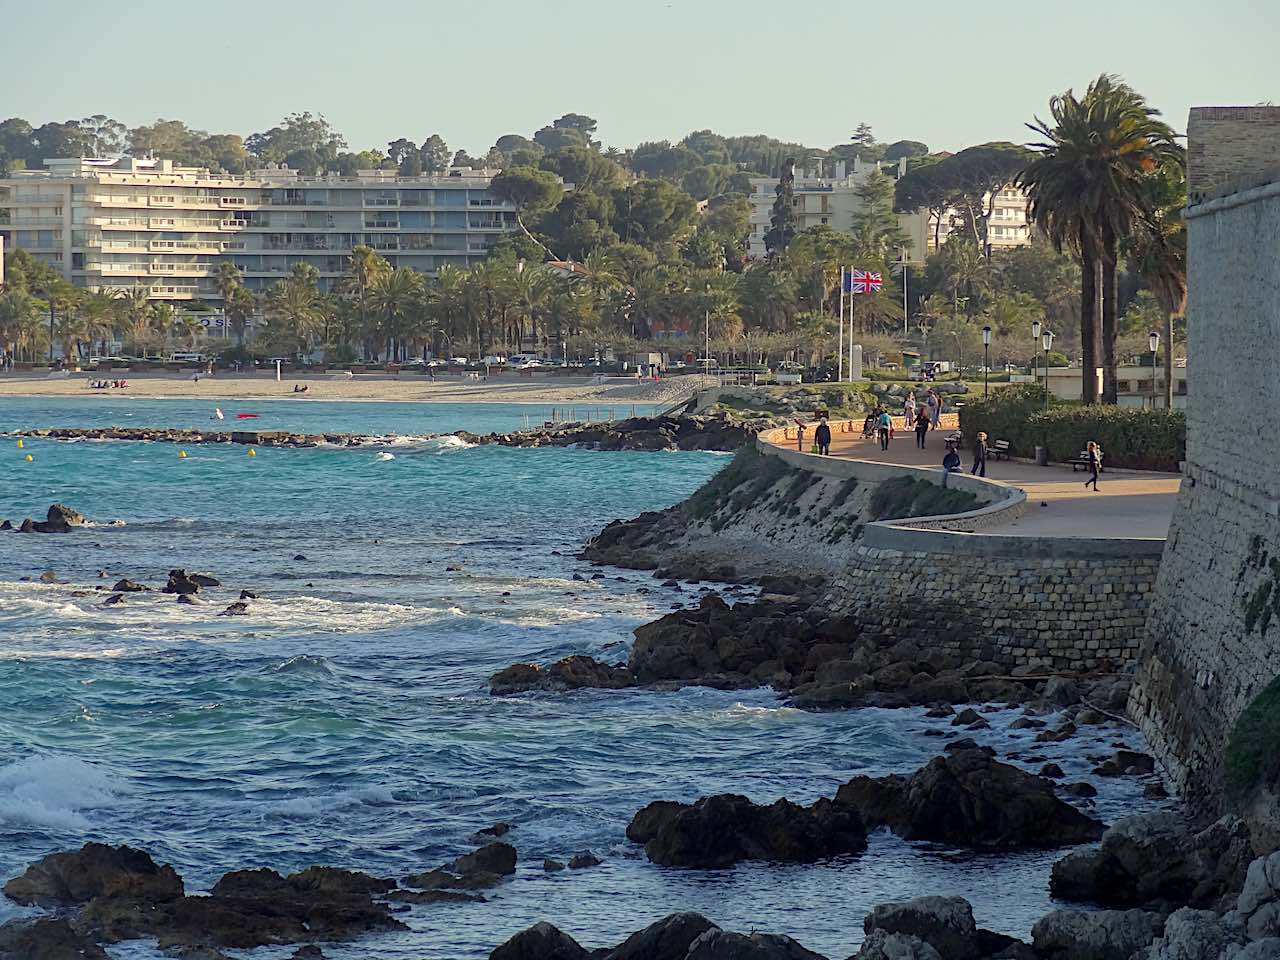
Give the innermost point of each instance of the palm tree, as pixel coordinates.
(531, 287)
(98, 316)
(238, 308)
(363, 267)
(395, 297)
(69, 331)
(1086, 190)
(135, 305)
(187, 327)
(295, 313)
(1158, 251)
(965, 268)
(20, 325)
(161, 321)
(447, 302)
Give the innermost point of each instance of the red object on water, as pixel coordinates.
(246, 416)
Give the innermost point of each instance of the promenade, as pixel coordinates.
(1129, 504)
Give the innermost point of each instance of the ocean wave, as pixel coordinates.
(448, 444)
(53, 791)
(310, 805)
(304, 663)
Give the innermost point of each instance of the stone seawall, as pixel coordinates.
(1075, 603)
(1214, 633)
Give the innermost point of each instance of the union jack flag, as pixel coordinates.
(863, 281)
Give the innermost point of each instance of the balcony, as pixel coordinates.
(185, 246)
(382, 202)
(233, 224)
(36, 222)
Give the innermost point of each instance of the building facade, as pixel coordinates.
(131, 223)
(1136, 386)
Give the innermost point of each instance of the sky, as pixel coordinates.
(950, 73)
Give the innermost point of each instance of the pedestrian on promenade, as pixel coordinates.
(1094, 454)
(935, 409)
(822, 437)
(909, 412)
(799, 434)
(922, 426)
(884, 426)
(980, 455)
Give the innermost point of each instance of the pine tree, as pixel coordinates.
(782, 222)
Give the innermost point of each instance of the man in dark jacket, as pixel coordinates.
(822, 437)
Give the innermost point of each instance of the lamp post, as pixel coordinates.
(1047, 341)
(1035, 346)
(986, 361)
(706, 332)
(1153, 341)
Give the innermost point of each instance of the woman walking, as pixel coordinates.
(922, 426)
(935, 409)
(980, 455)
(909, 412)
(822, 437)
(799, 435)
(884, 426)
(1094, 454)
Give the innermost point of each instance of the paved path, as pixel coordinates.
(1128, 504)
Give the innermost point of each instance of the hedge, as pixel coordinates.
(1130, 437)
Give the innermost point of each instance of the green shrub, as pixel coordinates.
(1129, 436)
(1253, 749)
(905, 497)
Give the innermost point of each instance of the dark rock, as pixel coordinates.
(1027, 723)
(60, 519)
(204, 580)
(180, 583)
(1126, 762)
(880, 945)
(1061, 691)
(1155, 791)
(1156, 860)
(717, 944)
(497, 830)
(95, 870)
(433, 896)
(112, 600)
(248, 595)
(719, 831)
(237, 609)
(187, 598)
(299, 556)
(552, 866)
(542, 941)
(1105, 935)
(46, 938)
(667, 939)
(651, 818)
(309, 952)
(48, 577)
(6, 525)
(1052, 771)
(1081, 789)
(969, 799)
(28, 526)
(571, 673)
(128, 586)
(477, 870)
(945, 923)
(966, 717)
(583, 859)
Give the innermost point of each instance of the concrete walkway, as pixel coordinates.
(1129, 504)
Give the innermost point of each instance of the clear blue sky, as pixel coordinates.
(949, 72)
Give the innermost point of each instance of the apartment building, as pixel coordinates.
(1008, 226)
(132, 222)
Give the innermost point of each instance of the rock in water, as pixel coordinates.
(1157, 860)
(128, 586)
(180, 583)
(969, 799)
(944, 923)
(717, 944)
(112, 600)
(237, 609)
(1258, 905)
(1192, 935)
(476, 870)
(719, 831)
(204, 580)
(47, 938)
(95, 870)
(571, 673)
(6, 525)
(880, 945)
(583, 859)
(669, 937)
(1106, 935)
(542, 941)
(28, 526)
(60, 519)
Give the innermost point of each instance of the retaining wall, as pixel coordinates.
(1075, 603)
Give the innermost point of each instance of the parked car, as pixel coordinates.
(458, 361)
(493, 360)
(188, 358)
(519, 361)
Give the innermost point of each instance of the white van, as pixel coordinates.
(188, 358)
(521, 360)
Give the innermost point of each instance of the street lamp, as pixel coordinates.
(706, 332)
(1153, 341)
(986, 361)
(1035, 346)
(1047, 340)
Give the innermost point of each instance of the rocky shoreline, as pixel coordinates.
(637, 433)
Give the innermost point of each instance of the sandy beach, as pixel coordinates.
(503, 388)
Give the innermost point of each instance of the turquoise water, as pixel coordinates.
(346, 720)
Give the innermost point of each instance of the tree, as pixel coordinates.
(20, 325)
(905, 148)
(16, 147)
(295, 311)
(584, 168)
(103, 136)
(304, 141)
(364, 267)
(98, 316)
(434, 154)
(782, 220)
(975, 175)
(532, 192)
(396, 297)
(1087, 186)
(653, 212)
(67, 139)
(875, 228)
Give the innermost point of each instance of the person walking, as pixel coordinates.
(822, 437)
(1094, 454)
(799, 434)
(922, 426)
(935, 409)
(909, 412)
(980, 455)
(884, 425)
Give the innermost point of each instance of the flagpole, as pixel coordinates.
(840, 341)
(852, 304)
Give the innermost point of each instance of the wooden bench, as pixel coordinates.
(1081, 462)
(1000, 450)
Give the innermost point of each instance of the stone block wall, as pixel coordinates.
(1205, 656)
(1076, 613)
(1230, 146)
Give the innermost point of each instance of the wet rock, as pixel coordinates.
(1081, 789)
(204, 580)
(542, 941)
(1157, 860)
(500, 829)
(1126, 763)
(6, 525)
(1191, 935)
(1061, 691)
(180, 583)
(719, 831)
(1105, 935)
(129, 586)
(299, 556)
(881, 945)
(668, 939)
(112, 600)
(95, 870)
(477, 870)
(944, 923)
(1155, 791)
(60, 519)
(309, 952)
(583, 859)
(237, 609)
(571, 673)
(28, 526)
(187, 598)
(969, 799)
(47, 938)
(717, 944)
(552, 866)
(966, 717)
(1027, 723)
(248, 595)
(1052, 771)
(433, 896)
(49, 576)
(1258, 906)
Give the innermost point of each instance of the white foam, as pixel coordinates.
(53, 791)
(449, 443)
(386, 456)
(311, 805)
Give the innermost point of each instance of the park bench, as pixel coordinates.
(1081, 462)
(1001, 449)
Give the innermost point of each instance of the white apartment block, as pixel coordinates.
(146, 223)
(1007, 227)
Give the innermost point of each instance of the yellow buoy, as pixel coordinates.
(30, 458)
(182, 454)
(253, 452)
(19, 443)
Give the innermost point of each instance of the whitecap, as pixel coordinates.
(386, 456)
(53, 791)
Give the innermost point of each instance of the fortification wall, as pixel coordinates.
(1213, 638)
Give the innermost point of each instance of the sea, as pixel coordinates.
(346, 720)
